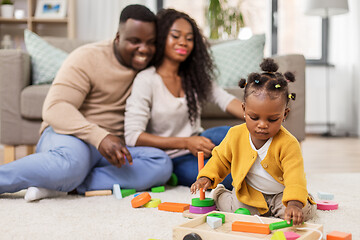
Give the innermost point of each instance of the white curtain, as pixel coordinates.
(344, 76)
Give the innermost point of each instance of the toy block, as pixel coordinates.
(244, 211)
(173, 207)
(199, 226)
(207, 202)
(213, 222)
(201, 210)
(127, 192)
(278, 225)
(327, 205)
(173, 181)
(117, 191)
(291, 235)
(218, 215)
(325, 196)
(153, 203)
(250, 227)
(335, 235)
(158, 189)
(98, 193)
(140, 200)
(279, 235)
(200, 166)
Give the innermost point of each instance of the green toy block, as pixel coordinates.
(158, 189)
(127, 192)
(218, 215)
(278, 225)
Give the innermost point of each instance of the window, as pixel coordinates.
(298, 33)
(288, 30)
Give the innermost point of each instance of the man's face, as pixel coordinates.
(135, 43)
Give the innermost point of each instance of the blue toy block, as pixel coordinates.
(325, 196)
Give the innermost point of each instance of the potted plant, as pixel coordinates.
(7, 9)
(224, 20)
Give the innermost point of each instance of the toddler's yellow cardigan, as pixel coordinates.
(283, 162)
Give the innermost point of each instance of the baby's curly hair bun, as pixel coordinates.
(269, 65)
(289, 76)
(242, 83)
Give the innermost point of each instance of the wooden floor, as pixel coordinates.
(321, 154)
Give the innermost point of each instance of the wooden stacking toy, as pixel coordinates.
(201, 205)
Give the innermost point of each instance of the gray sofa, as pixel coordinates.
(21, 102)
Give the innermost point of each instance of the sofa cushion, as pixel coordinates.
(31, 101)
(237, 58)
(211, 110)
(45, 58)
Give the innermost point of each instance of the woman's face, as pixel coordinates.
(180, 41)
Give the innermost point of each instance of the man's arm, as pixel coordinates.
(61, 111)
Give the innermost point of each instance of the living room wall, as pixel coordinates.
(98, 20)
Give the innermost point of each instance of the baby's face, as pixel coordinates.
(263, 116)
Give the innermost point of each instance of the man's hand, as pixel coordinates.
(202, 182)
(294, 211)
(114, 150)
(197, 144)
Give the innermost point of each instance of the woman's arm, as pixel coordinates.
(194, 143)
(235, 108)
(227, 102)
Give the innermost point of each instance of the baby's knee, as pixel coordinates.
(309, 211)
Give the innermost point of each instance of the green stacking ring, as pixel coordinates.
(207, 202)
(218, 215)
(244, 211)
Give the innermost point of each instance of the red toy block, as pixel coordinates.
(250, 227)
(173, 207)
(335, 235)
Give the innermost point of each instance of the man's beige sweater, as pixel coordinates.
(87, 98)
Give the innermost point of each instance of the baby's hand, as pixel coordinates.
(294, 211)
(202, 182)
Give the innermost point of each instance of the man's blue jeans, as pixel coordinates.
(186, 167)
(65, 163)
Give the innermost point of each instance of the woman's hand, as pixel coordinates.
(197, 144)
(114, 150)
(294, 211)
(202, 182)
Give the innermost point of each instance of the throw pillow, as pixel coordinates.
(236, 59)
(45, 58)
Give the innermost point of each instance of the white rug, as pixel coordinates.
(77, 217)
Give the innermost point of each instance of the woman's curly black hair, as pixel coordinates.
(197, 71)
(275, 83)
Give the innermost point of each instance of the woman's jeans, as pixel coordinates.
(186, 167)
